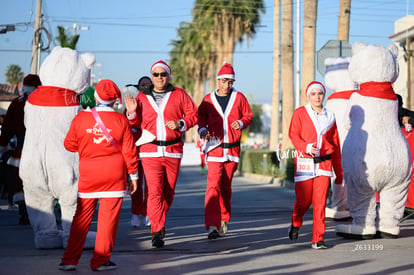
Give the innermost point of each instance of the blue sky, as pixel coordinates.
(127, 37)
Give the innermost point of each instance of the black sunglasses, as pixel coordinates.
(163, 74)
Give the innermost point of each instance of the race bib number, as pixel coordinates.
(305, 167)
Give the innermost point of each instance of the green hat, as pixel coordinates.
(87, 99)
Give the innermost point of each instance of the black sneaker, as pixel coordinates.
(213, 233)
(162, 233)
(108, 266)
(67, 267)
(293, 233)
(319, 245)
(157, 240)
(24, 220)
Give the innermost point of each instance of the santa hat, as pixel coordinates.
(107, 92)
(226, 72)
(164, 65)
(315, 85)
(32, 80)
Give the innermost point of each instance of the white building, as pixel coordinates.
(404, 38)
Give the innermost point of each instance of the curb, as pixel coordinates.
(279, 182)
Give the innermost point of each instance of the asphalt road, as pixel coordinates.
(256, 243)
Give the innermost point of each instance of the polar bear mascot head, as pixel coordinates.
(49, 172)
(67, 68)
(337, 74)
(338, 80)
(376, 156)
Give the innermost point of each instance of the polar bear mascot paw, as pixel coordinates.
(376, 157)
(50, 172)
(338, 80)
(356, 231)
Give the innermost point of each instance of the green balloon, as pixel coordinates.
(87, 99)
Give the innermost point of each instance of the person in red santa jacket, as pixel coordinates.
(407, 130)
(104, 141)
(13, 126)
(164, 113)
(139, 199)
(221, 117)
(315, 137)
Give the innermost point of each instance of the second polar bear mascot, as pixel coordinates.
(376, 156)
(338, 80)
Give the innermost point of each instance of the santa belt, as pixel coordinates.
(166, 142)
(230, 145)
(320, 159)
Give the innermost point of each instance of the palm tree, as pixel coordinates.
(309, 44)
(14, 76)
(177, 59)
(287, 72)
(210, 39)
(274, 129)
(191, 50)
(228, 22)
(66, 40)
(344, 17)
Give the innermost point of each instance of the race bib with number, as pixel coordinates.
(305, 167)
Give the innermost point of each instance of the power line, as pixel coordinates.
(133, 51)
(117, 24)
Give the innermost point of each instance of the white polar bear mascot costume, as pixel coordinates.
(338, 80)
(376, 156)
(50, 172)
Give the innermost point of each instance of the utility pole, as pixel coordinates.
(275, 128)
(297, 84)
(36, 38)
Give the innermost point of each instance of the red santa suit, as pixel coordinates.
(222, 160)
(14, 126)
(312, 179)
(161, 157)
(200, 144)
(140, 197)
(103, 167)
(410, 196)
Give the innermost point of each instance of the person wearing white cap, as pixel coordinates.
(315, 137)
(222, 115)
(107, 152)
(164, 113)
(13, 126)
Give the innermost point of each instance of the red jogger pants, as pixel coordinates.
(313, 191)
(161, 176)
(140, 197)
(217, 203)
(108, 219)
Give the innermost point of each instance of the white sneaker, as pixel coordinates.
(223, 229)
(68, 267)
(135, 220)
(147, 221)
(319, 245)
